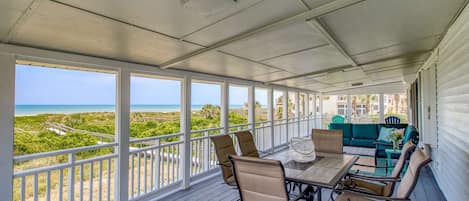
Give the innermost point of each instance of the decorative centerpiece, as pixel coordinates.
(302, 150)
(395, 137)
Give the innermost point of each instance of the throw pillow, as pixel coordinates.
(384, 133)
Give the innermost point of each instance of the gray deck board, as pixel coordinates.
(214, 189)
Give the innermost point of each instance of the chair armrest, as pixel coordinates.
(220, 164)
(377, 197)
(372, 166)
(374, 178)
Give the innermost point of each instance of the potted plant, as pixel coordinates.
(395, 137)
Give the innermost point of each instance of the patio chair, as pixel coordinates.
(392, 120)
(376, 185)
(328, 141)
(338, 119)
(246, 144)
(418, 160)
(224, 148)
(260, 179)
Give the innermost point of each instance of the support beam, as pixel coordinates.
(381, 108)
(314, 111)
(321, 115)
(7, 115)
(122, 136)
(270, 116)
(186, 94)
(285, 111)
(313, 13)
(331, 40)
(252, 108)
(348, 113)
(297, 114)
(224, 113)
(307, 113)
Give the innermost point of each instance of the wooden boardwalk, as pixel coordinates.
(214, 190)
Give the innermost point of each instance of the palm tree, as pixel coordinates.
(210, 111)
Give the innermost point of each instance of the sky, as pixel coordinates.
(54, 86)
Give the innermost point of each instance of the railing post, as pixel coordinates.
(186, 128)
(381, 108)
(7, 115)
(121, 191)
(252, 111)
(349, 109)
(314, 112)
(157, 163)
(307, 113)
(206, 150)
(71, 176)
(321, 115)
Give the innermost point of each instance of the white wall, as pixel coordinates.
(450, 150)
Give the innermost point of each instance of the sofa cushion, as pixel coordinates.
(410, 134)
(346, 141)
(346, 129)
(392, 126)
(363, 142)
(365, 131)
(384, 133)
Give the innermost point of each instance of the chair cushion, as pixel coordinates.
(363, 142)
(347, 141)
(365, 131)
(392, 126)
(410, 133)
(346, 129)
(384, 133)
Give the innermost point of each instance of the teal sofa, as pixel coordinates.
(366, 135)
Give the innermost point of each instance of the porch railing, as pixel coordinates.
(154, 162)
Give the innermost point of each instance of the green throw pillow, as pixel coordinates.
(384, 133)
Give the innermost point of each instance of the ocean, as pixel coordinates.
(24, 110)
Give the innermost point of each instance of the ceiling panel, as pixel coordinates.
(418, 45)
(399, 61)
(166, 16)
(273, 76)
(372, 25)
(280, 41)
(223, 64)
(310, 60)
(10, 12)
(263, 13)
(316, 3)
(341, 76)
(54, 26)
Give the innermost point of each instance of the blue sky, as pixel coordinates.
(49, 86)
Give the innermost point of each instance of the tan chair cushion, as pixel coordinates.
(417, 161)
(224, 148)
(328, 141)
(246, 144)
(260, 179)
(351, 197)
(365, 186)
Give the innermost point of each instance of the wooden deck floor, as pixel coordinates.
(214, 190)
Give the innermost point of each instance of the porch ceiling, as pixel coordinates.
(377, 43)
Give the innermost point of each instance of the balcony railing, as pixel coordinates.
(155, 163)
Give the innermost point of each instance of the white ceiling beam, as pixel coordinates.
(341, 68)
(331, 40)
(32, 7)
(313, 13)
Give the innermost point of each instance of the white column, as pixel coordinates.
(224, 113)
(270, 116)
(252, 108)
(381, 108)
(285, 111)
(307, 113)
(321, 115)
(7, 115)
(186, 98)
(349, 109)
(297, 113)
(122, 135)
(314, 111)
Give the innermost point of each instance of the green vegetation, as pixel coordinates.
(33, 133)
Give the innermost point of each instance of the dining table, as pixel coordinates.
(326, 171)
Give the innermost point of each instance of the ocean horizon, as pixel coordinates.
(26, 110)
